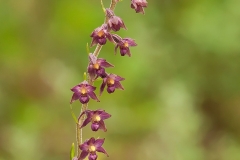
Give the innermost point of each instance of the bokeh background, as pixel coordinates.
(182, 87)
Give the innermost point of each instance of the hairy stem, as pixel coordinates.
(78, 129)
(97, 50)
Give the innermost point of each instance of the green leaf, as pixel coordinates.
(87, 47)
(73, 115)
(72, 151)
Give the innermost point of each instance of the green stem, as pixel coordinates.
(78, 129)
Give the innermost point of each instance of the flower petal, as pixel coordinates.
(106, 64)
(83, 155)
(76, 88)
(84, 146)
(111, 89)
(95, 126)
(102, 86)
(84, 99)
(94, 41)
(87, 120)
(124, 51)
(75, 96)
(100, 149)
(90, 88)
(130, 41)
(118, 85)
(99, 142)
(105, 115)
(118, 78)
(115, 49)
(91, 141)
(93, 96)
(102, 40)
(92, 156)
(101, 125)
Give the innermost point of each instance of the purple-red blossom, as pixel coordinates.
(114, 22)
(100, 35)
(82, 92)
(139, 5)
(96, 67)
(90, 147)
(112, 81)
(97, 118)
(123, 44)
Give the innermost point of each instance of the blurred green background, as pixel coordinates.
(182, 87)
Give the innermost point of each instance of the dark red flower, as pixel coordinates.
(138, 5)
(123, 44)
(100, 35)
(82, 92)
(90, 147)
(114, 22)
(97, 118)
(112, 81)
(96, 67)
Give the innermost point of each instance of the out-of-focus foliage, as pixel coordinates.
(182, 87)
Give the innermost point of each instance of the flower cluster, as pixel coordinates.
(97, 69)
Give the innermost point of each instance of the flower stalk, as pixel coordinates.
(85, 90)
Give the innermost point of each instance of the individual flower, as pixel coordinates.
(114, 22)
(90, 147)
(96, 67)
(82, 92)
(97, 118)
(100, 35)
(138, 5)
(123, 44)
(112, 81)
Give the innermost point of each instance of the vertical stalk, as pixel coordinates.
(79, 130)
